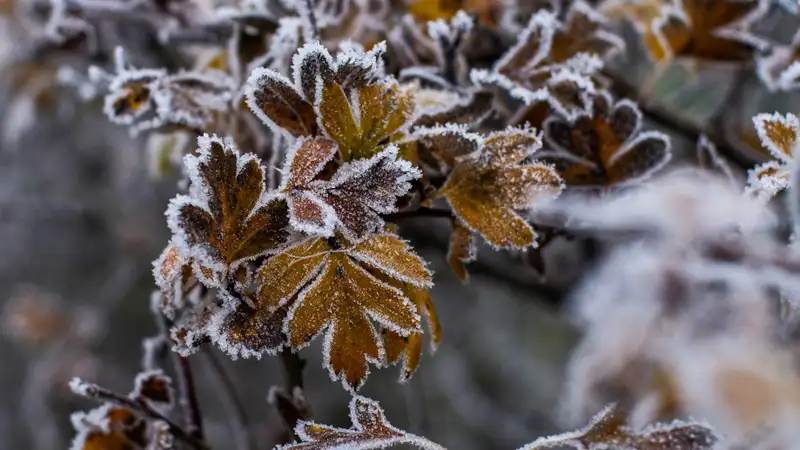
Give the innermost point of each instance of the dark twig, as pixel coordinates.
(187, 393)
(140, 408)
(234, 409)
(293, 367)
(419, 212)
(289, 399)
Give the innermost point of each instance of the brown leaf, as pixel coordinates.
(485, 191)
(706, 29)
(341, 296)
(226, 218)
(370, 430)
(276, 101)
(606, 148)
(384, 109)
(584, 31)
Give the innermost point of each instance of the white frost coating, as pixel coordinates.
(789, 120)
(385, 266)
(633, 143)
(139, 386)
(313, 49)
(765, 180)
(82, 388)
(460, 130)
(370, 430)
(542, 26)
(329, 218)
(259, 79)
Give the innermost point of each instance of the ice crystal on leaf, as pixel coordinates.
(288, 105)
(370, 430)
(716, 30)
(227, 216)
(152, 99)
(353, 198)
(607, 147)
(486, 188)
(780, 135)
(111, 426)
(608, 429)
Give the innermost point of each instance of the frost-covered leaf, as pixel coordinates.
(461, 250)
(370, 430)
(111, 426)
(708, 158)
(378, 112)
(361, 190)
(717, 30)
(337, 295)
(584, 31)
(152, 99)
(154, 388)
(485, 190)
(606, 148)
(307, 211)
(446, 144)
(288, 105)
(227, 216)
(353, 199)
(780, 135)
(409, 348)
(608, 429)
(779, 69)
(468, 111)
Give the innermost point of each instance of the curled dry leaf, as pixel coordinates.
(608, 429)
(780, 135)
(718, 30)
(485, 189)
(461, 250)
(227, 217)
(607, 147)
(370, 430)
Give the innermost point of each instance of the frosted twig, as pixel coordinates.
(138, 407)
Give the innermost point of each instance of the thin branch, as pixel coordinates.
(289, 400)
(419, 212)
(234, 408)
(140, 408)
(187, 393)
(293, 367)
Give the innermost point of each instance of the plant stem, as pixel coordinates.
(140, 408)
(187, 394)
(312, 19)
(234, 408)
(419, 212)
